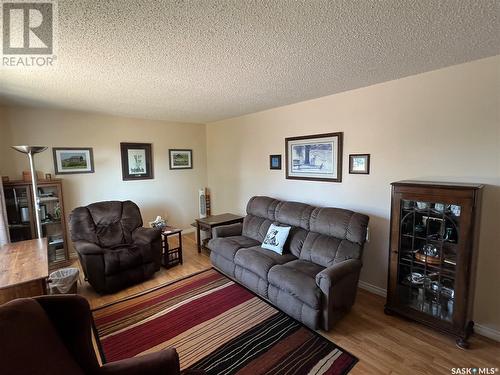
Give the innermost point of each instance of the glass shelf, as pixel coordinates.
(428, 243)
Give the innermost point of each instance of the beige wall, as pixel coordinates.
(441, 125)
(171, 193)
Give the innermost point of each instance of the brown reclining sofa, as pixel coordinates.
(316, 278)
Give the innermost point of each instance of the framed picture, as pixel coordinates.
(70, 160)
(137, 161)
(180, 159)
(274, 161)
(359, 163)
(314, 157)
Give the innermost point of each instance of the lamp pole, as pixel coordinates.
(31, 151)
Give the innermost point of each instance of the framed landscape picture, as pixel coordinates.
(137, 161)
(70, 160)
(180, 159)
(314, 157)
(359, 164)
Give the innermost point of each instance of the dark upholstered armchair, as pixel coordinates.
(52, 335)
(114, 249)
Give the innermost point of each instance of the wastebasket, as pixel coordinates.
(64, 281)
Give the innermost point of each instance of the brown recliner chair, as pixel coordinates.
(52, 335)
(114, 249)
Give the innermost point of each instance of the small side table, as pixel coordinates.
(171, 256)
(208, 223)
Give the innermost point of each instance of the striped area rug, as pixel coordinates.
(218, 326)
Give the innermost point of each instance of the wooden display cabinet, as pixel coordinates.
(21, 217)
(433, 254)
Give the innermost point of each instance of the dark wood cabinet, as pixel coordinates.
(433, 254)
(21, 217)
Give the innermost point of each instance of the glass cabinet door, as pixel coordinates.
(52, 225)
(427, 256)
(19, 213)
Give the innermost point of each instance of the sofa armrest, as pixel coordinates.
(88, 248)
(327, 278)
(146, 235)
(227, 230)
(71, 317)
(161, 362)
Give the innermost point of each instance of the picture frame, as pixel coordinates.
(137, 161)
(180, 158)
(73, 160)
(316, 157)
(275, 162)
(359, 163)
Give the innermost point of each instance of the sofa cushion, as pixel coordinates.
(30, 344)
(263, 207)
(228, 246)
(339, 223)
(294, 213)
(298, 278)
(327, 250)
(295, 241)
(255, 227)
(259, 260)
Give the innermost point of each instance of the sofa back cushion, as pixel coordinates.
(255, 227)
(260, 215)
(105, 223)
(335, 235)
(294, 214)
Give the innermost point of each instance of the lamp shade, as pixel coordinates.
(29, 149)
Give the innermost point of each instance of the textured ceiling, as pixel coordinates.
(200, 61)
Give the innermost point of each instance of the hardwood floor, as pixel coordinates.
(384, 344)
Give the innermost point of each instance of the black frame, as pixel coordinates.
(147, 147)
(352, 156)
(91, 155)
(340, 138)
(271, 157)
(170, 150)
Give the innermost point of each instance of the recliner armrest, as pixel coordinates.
(333, 274)
(143, 235)
(227, 230)
(161, 362)
(88, 248)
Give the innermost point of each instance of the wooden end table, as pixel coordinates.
(171, 256)
(206, 224)
(24, 269)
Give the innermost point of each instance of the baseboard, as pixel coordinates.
(372, 288)
(478, 328)
(487, 332)
(189, 230)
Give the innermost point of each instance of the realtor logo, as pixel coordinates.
(28, 30)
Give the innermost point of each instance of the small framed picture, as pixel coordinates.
(71, 160)
(137, 161)
(359, 163)
(274, 161)
(180, 159)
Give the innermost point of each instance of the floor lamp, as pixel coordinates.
(31, 151)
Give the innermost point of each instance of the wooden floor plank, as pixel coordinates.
(384, 344)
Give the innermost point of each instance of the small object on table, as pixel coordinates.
(158, 223)
(171, 256)
(206, 224)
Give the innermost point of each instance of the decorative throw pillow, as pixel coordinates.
(275, 238)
